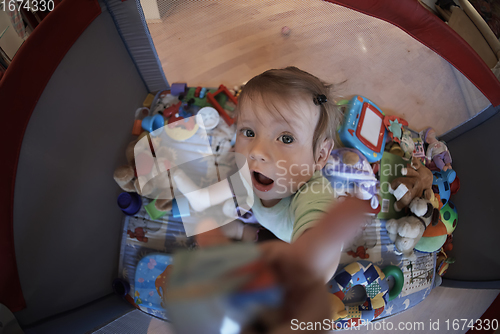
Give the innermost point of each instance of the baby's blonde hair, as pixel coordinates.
(288, 84)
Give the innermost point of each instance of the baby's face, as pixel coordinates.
(278, 148)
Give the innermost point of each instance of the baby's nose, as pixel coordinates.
(259, 153)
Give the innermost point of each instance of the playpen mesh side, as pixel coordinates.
(208, 43)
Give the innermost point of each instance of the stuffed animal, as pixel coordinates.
(437, 151)
(406, 232)
(416, 182)
(132, 177)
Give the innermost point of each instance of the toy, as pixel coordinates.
(407, 144)
(363, 128)
(133, 179)
(441, 183)
(130, 203)
(367, 275)
(406, 232)
(152, 123)
(443, 262)
(394, 126)
(178, 88)
(416, 182)
(148, 100)
(217, 106)
(350, 173)
(203, 92)
(207, 118)
(197, 91)
(137, 128)
(418, 150)
(153, 212)
(449, 217)
(437, 151)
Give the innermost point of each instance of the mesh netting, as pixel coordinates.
(208, 43)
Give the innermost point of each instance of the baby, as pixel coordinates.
(286, 125)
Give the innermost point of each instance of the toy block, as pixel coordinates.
(148, 101)
(197, 92)
(137, 129)
(153, 212)
(178, 89)
(211, 98)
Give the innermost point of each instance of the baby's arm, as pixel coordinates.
(321, 245)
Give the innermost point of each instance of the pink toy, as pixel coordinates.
(437, 150)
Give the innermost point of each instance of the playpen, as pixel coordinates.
(68, 98)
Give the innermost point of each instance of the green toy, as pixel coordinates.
(153, 212)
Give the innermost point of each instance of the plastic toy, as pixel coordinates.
(172, 110)
(407, 144)
(197, 92)
(152, 123)
(120, 287)
(433, 238)
(203, 92)
(137, 129)
(211, 98)
(449, 217)
(406, 232)
(178, 88)
(394, 126)
(363, 128)
(437, 151)
(441, 183)
(153, 212)
(207, 118)
(416, 182)
(399, 280)
(369, 276)
(130, 203)
(148, 100)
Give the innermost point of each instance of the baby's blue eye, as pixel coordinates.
(248, 133)
(286, 139)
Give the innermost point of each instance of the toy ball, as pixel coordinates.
(285, 31)
(449, 216)
(441, 183)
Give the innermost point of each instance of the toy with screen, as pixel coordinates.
(363, 128)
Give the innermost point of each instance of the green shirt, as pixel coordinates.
(294, 214)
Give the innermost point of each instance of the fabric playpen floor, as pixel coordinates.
(166, 235)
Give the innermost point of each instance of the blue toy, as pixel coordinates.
(363, 128)
(441, 184)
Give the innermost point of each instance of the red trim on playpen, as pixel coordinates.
(20, 88)
(427, 28)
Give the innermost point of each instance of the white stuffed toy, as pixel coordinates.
(406, 232)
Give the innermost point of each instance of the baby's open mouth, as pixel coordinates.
(262, 182)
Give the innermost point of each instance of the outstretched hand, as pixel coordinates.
(305, 266)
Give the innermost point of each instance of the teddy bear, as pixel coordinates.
(132, 177)
(405, 232)
(416, 182)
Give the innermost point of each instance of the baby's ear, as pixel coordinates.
(324, 150)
